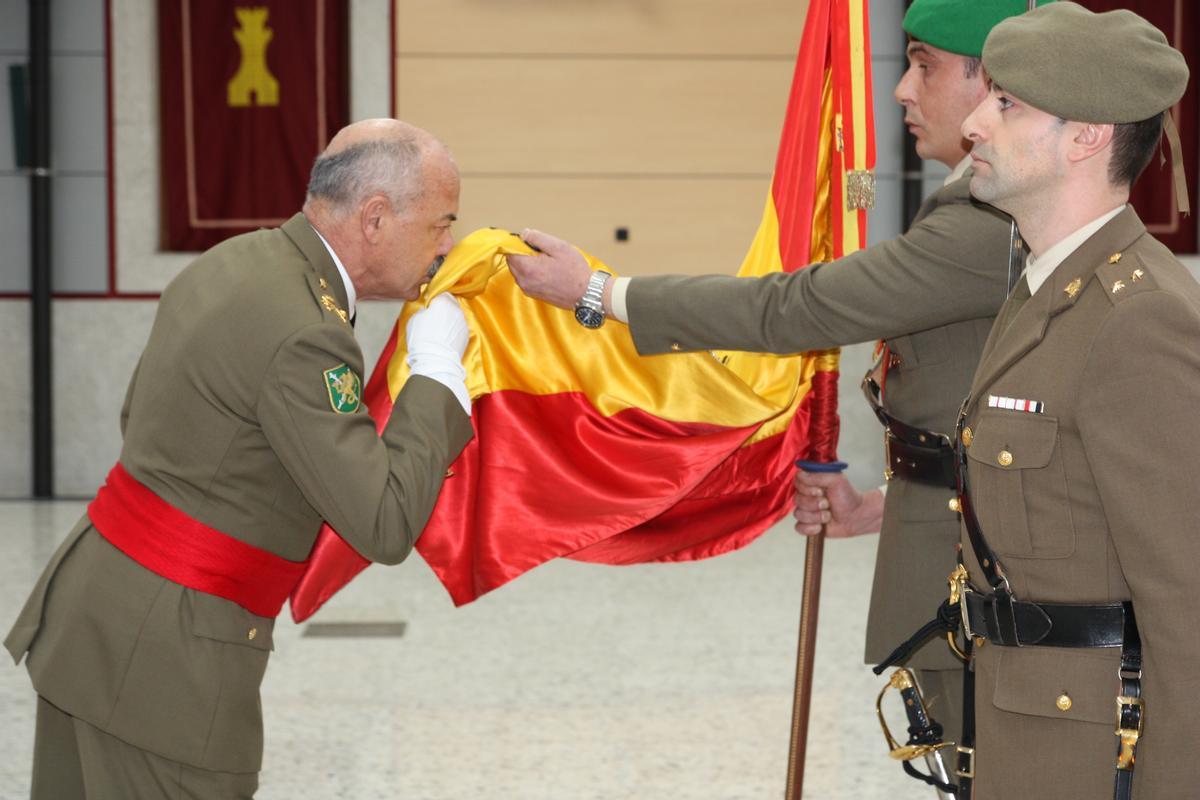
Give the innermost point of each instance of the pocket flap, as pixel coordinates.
(1013, 439)
(1035, 681)
(225, 621)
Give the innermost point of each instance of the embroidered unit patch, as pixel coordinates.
(344, 389)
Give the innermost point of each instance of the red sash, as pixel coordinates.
(169, 543)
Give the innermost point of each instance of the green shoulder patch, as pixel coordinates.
(344, 389)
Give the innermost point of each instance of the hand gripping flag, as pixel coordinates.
(584, 449)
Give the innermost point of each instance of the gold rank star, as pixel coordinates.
(1114, 258)
(1073, 287)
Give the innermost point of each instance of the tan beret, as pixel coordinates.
(1073, 63)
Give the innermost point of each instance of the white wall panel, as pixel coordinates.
(77, 26)
(370, 59)
(78, 126)
(16, 409)
(14, 233)
(140, 267)
(14, 33)
(79, 222)
(96, 346)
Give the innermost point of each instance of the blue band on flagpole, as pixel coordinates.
(822, 466)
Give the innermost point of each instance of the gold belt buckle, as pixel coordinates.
(1129, 736)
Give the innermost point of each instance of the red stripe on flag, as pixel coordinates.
(549, 475)
(794, 186)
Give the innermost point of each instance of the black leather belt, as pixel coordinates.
(932, 464)
(912, 453)
(1047, 624)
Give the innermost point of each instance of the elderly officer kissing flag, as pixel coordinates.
(585, 450)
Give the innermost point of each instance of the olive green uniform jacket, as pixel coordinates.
(932, 294)
(229, 419)
(1096, 504)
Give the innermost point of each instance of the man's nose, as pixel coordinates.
(904, 89)
(972, 127)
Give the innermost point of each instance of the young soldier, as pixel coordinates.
(1080, 431)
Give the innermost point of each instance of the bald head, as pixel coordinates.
(369, 158)
(384, 195)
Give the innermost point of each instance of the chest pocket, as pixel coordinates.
(921, 349)
(1018, 485)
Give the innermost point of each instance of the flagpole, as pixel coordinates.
(823, 454)
(814, 554)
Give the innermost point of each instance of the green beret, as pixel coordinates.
(1070, 62)
(959, 26)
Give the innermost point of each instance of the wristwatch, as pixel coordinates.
(589, 311)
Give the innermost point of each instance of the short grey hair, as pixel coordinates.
(348, 177)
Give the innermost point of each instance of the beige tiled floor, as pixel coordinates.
(577, 682)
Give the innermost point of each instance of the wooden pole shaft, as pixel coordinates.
(814, 555)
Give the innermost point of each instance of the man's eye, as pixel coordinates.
(1005, 103)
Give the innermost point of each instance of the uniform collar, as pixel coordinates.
(1037, 270)
(958, 171)
(1063, 287)
(351, 295)
(323, 260)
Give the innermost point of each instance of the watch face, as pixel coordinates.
(589, 317)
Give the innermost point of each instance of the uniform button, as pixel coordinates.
(1063, 702)
(967, 436)
(676, 346)
(954, 505)
(1005, 458)
(250, 634)
(324, 283)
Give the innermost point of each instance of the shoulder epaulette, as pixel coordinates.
(325, 298)
(1124, 275)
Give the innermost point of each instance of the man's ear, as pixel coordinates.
(1091, 139)
(373, 215)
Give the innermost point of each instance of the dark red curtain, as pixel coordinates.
(1153, 196)
(250, 94)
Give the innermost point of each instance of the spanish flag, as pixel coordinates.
(584, 449)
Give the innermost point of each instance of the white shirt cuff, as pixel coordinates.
(620, 311)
